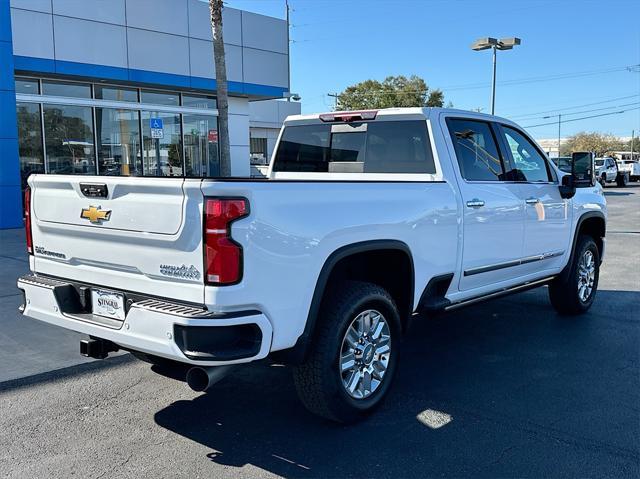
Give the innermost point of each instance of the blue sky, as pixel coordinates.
(572, 60)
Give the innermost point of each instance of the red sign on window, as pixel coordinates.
(213, 136)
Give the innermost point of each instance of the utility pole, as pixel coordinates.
(633, 134)
(286, 3)
(335, 98)
(559, 126)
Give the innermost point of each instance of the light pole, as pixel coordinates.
(494, 44)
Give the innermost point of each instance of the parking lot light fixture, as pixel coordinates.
(494, 44)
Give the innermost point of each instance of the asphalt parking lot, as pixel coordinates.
(503, 389)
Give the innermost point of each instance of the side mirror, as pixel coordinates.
(567, 187)
(582, 169)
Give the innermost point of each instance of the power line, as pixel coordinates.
(557, 110)
(559, 76)
(586, 111)
(584, 117)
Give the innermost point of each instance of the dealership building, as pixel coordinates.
(127, 87)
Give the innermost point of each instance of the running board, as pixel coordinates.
(497, 294)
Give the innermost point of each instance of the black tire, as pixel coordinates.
(603, 180)
(564, 290)
(318, 380)
(622, 180)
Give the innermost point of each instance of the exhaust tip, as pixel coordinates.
(198, 379)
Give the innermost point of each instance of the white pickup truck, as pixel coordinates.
(366, 220)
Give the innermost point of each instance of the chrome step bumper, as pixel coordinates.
(150, 325)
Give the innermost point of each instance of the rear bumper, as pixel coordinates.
(162, 328)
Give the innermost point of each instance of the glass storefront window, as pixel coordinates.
(29, 140)
(68, 89)
(119, 151)
(68, 132)
(201, 146)
(123, 144)
(28, 86)
(258, 150)
(113, 93)
(193, 101)
(160, 97)
(162, 156)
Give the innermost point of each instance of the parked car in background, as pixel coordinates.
(563, 163)
(607, 172)
(631, 167)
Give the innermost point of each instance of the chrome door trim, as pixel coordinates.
(509, 264)
(501, 292)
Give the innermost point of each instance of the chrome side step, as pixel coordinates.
(497, 294)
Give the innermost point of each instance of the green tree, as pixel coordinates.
(398, 91)
(600, 143)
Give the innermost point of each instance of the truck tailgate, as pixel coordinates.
(121, 233)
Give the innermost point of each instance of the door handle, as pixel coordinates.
(475, 203)
(532, 201)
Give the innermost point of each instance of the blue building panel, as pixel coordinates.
(10, 202)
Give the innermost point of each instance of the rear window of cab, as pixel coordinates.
(359, 147)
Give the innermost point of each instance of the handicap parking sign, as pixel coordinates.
(157, 128)
(156, 124)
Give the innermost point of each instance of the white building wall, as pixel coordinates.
(239, 136)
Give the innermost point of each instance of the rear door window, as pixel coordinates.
(476, 150)
(364, 147)
(304, 148)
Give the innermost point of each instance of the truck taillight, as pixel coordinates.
(27, 219)
(222, 255)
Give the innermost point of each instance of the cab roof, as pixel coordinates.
(412, 112)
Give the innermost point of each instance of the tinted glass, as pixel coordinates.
(159, 98)
(68, 133)
(304, 148)
(24, 85)
(29, 140)
(398, 147)
(201, 146)
(347, 147)
(476, 150)
(193, 101)
(374, 147)
(57, 88)
(115, 93)
(528, 161)
(162, 156)
(119, 151)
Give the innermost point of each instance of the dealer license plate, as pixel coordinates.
(108, 304)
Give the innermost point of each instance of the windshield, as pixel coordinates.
(599, 162)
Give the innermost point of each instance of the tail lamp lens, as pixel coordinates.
(222, 255)
(27, 219)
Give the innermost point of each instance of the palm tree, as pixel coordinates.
(215, 9)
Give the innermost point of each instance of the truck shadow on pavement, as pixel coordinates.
(503, 388)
